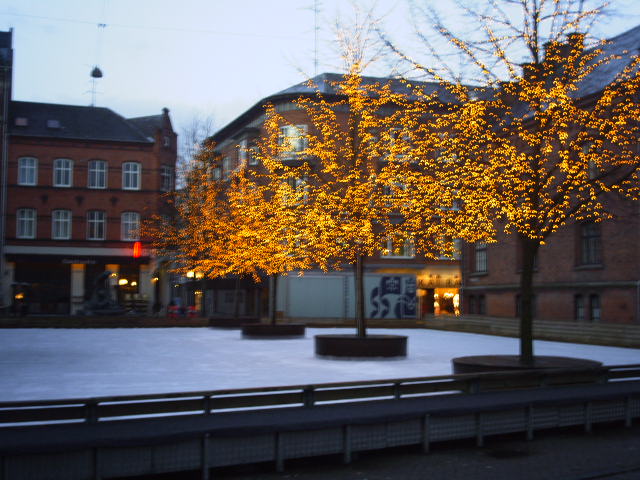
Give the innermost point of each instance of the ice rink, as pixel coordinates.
(74, 363)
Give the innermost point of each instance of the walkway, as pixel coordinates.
(608, 453)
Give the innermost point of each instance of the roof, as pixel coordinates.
(324, 84)
(625, 46)
(147, 125)
(72, 122)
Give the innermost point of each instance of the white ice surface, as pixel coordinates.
(73, 363)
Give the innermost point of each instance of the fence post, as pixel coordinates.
(396, 390)
(91, 407)
(308, 399)
(207, 404)
(205, 457)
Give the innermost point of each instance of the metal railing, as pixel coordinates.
(110, 408)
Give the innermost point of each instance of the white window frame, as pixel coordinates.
(26, 223)
(27, 171)
(293, 139)
(97, 169)
(131, 175)
(61, 224)
(408, 251)
(166, 178)
(226, 168)
(100, 221)
(63, 172)
(130, 226)
(243, 152)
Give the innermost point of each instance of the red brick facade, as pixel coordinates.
(568, 286)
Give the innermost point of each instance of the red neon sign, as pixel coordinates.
(137, 249)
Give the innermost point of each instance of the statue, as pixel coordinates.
(102, 301)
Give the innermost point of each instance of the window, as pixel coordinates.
(594, 308)
(592, 167)
(216, 173)
(578, 308)
(27, 171)
(62, 172)
(480, 257)
(96, 225)
(482, 309)
(226, 168)
(253, 155)
(97, 174)
(130, 224)
(166, 141)
(404, 250)
(292, 140)
(472, 304)
(243, 152)
(131, 176)
(590, 244)
(26, 223)
(61, 224)
(166, 178)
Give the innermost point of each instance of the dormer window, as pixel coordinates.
(53, 123)
(22, 121)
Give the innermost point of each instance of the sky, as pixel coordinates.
(77, 363)
(199, 58)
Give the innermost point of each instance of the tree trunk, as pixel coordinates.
(236, 299)
(359, 279)
(529, 248)
(274, 299)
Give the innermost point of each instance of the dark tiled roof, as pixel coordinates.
(626, 45)
(147, 125)
(325, 84)
(75, 122)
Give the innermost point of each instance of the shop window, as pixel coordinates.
(62, 172)
(131, 176)
(61, 224)
(594, 308)
(96, 225)
(97, 174)
(130, 226)
(26, 223)
(27, 171)
(578, 308)
(590, 244)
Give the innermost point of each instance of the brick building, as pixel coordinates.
(586, 271)
(433, 284)
(79, 181)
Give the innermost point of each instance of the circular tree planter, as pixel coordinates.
(352, 346)
(495, 363)
(265, 331)
(230, 322)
